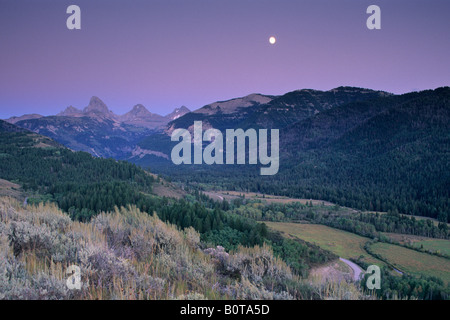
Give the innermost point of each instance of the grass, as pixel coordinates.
(345, 244)
(414, 262)
(128, 254)
(433, 245)
(10, 189)
(229, 195)
(167, 189)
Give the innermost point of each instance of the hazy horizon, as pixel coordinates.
(193, 108)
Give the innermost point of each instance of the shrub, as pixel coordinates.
(246, 290)
(43, 241)
(192, 237)
(104, 267)
(191, 296)
(257, 263)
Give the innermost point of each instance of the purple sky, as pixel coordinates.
(168, 53)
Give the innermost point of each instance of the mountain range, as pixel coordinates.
(96, 129)
(139, 134)
(356, 147)
(256, 111)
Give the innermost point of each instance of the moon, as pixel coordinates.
(272, 40)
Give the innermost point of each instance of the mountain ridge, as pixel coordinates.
(98, 109)
(98, 130)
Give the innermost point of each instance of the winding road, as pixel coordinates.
(358, 273)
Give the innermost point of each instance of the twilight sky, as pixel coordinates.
(168, 53)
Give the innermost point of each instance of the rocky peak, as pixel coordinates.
(96, 106)
(70, 111)
(139, 109)
(139, 112)
(177, 113)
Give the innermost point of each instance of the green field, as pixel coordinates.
(344, 244)
(414, 262)
(433, 245)
(348, 245)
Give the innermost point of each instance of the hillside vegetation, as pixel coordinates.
(129, 254)
(388, 153)
(84, 187)
(78, 182)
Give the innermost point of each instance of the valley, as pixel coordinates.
(413, 262)
(361, 181)
(230, 195)
(344, 244)
(350, 246)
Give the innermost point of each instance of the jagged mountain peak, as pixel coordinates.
(139, 112)
(70, 111)
(177, 113)
(140, 116)
(96, 105)
(182, 109)
(139, 109)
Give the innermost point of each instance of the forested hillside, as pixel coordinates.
(390, 153)
(396, 159)
(78, 182)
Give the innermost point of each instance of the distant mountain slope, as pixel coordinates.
(71, 112)
(260, 111)
(141, 117)
(177, 113)
(221, 114)
(9, 127)
(302, 104)
(101, 137)
(396, 156)
(387, 153)
(254, 111)
(235, 105)
(97, 109)
(134, 135)
(26, 137)
(14, 120)
(97, 130)
(329, 125)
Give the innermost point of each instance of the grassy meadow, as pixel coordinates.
(430, 244)
(414, 262)
(348, 245)
(345, 244)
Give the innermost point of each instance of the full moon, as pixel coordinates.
(272, 40)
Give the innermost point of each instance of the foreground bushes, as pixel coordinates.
(128, 254)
